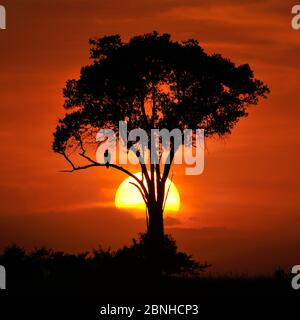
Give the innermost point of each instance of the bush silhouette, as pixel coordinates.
(126, 274)
(46, 269)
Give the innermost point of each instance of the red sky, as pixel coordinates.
(241, 214)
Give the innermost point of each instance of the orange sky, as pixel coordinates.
(241, 214)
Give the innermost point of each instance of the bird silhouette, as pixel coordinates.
(107, 158)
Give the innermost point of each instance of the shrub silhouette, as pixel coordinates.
(125, 274)
(173, 262)
(46, 269)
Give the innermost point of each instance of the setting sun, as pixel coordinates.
(128, 196)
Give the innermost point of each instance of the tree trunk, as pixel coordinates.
(156, 224)
(155, 235)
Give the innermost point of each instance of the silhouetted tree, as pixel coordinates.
(152, 82)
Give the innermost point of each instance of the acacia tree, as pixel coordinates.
(184, 87)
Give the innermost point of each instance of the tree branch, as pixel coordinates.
(142, 164)
(96, 164)
(140, 190)
(168, 165)
(165, 200)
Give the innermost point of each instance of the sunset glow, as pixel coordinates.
(248, 194)
(128, 196)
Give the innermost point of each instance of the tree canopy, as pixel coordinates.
(155, 82)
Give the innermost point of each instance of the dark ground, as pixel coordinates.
(55, 285)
